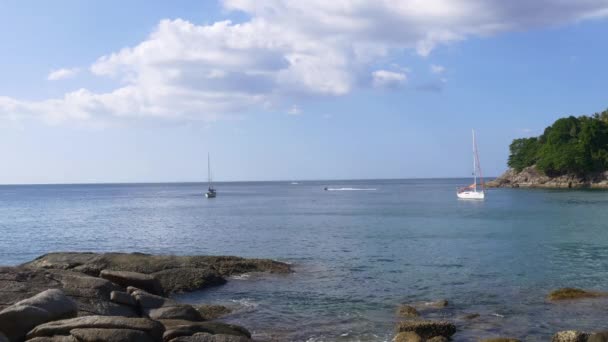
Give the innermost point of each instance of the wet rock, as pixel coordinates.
(178, 328)
(500, 339)
(438, 339)
(206, 337)
(569, 336)
(407, 336)
(209, 312)
(125, 278)
(427, 329)
(180, 311)
(598, 337)
(110, 335)
(21, 317)
(124, 298)
(63, 327)
(471, 316)
(573, 293)
(407, 311)
(93, 263)
(189, 279)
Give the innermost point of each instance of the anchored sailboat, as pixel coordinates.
(211, 193)
(471, 191)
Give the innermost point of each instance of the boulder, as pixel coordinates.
(178, 328)
(427, 329)
(407, 336)
(180, 311)
(63, 327)
(188, 279)
(206, 337)
(569, 336)
(17, 320)
(598, 337)
(58, 338)
(110, 335)
(209, 312)
(573, 293)
(407, 311)
(146, 300)
(124, 298)
(126, 278)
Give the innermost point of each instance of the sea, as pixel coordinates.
(359, 250)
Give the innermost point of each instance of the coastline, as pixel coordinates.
(530, 177)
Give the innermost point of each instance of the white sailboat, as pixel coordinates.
(471, 191)
(211, 193)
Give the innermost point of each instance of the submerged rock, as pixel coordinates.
(500, 339)
(18, 319)
(438, 339)
(407, 336)
(427, 329)
(407, 311)
(569, 336)
(471, 316)
(188, 279)
(573, 293)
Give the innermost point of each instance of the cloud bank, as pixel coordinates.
(287, 50)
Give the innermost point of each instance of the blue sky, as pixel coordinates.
(138, 92)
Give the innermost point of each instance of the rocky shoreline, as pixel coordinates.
(530, 177)
(119, 297)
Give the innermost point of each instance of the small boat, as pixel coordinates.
(211, 193)
(471, 191)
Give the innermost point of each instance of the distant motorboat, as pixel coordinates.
(471, 191)
(211, 192)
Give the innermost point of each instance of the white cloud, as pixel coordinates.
(287, 50)
(61, 74)
(388, 79)
(437, 69)
(294, 110)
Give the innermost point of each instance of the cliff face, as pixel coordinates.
(530, 177)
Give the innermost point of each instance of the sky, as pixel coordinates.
(141, 91)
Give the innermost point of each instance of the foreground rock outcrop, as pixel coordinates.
(118, 297)
(530, 177)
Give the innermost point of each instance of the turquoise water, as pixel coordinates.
(357, 254)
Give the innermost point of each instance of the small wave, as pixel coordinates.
(351, 189)
(246, 303)
(498, 315)
(240, 276)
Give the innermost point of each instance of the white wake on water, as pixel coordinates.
(351, 189)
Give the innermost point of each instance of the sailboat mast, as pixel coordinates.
(474, 162)
(209, 170)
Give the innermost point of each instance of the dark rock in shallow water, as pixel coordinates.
(18, 319)
(407, 311)
(438, 339)
(500, 339)
(63, 327)
(181, 311)
(188, 279)
(427, 329)
(206, 337)
(569, 336)
(209, 312)
(573, 293)
(598, 337)
(125, 278)
(471, 316)
(407, 336)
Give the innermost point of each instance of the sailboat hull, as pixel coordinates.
(210, 194)
(471, 195)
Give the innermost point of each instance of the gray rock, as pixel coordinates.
(110, 335)
(427, 329)
(188, 279)
(63, 327)
(58, 338)
(146, 300)
(139, 280)
(569, 336)
(120, 297)
(181, 311)
(206, 337)
(21, 317)
(598, 337)
(209, 312)
(178, 328)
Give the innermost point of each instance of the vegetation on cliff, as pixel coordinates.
(572, 145)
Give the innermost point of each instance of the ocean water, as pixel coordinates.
(357, 254)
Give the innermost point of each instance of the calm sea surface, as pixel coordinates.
(357, 254)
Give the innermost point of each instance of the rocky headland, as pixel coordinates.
(531, 177)
(118, 297)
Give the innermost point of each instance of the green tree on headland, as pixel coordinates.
(572, 145)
